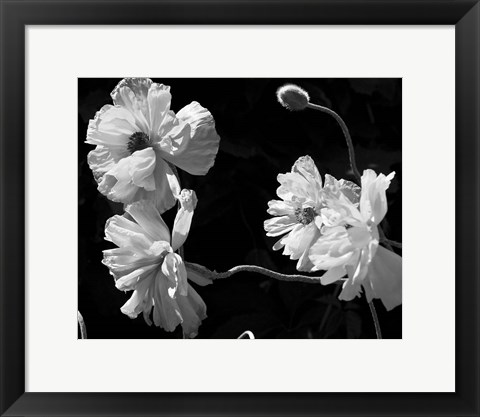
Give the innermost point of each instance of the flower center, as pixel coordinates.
(306, 215)
(138, 141)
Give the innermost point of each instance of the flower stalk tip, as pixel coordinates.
(293, 97)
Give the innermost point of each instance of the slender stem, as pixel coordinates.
(378, 331)
(81, 323)
(346, 133)
(353, 162)
(252, 268)
(329, 309)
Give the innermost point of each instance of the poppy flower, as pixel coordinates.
(298, 214)
(138, 138)
(349, 244)
(145, 262)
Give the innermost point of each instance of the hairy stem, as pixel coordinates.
(346, 133)
(378, 331)
(251, 268)
(353, 163)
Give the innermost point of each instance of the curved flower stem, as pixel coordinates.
(251, 268)
(353, 162)
(378, 331)
(264, 271)
(346, 133)
(81, 323)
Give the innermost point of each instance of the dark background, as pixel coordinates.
(259, 140)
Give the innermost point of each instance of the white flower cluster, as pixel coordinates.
(333, 226)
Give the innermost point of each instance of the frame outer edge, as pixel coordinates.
(12, 215)
(467, 129)
(12, 337)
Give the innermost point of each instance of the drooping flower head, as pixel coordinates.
(145, 262)
(298, 214)
(139, 136)
(349, 244)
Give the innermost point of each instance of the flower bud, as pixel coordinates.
(188, 199)
(292, 97)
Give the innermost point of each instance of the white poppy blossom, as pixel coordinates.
(298, 215)
(349, 244)
(138, 137)
(145, 262)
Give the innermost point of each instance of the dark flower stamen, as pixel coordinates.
(305, 216)
(138, 141)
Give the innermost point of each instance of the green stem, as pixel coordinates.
(378, 331)
(346, 133)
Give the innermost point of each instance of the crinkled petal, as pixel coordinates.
(147, 216)
(349, 189)
(358, 270)
(333, 275)
(162, 196)
(298, 243)
(130, 281)
(281, 208)
(123, 261)
(193, 311)
(307, 168)
(138, 302)
(183, 219)
(142, 165)
(126, 233)
(101, 160)
(333, 249)
(195, 153)
(385, 277)
(351, 288)
(166, 312)
(373, 201)
(294, 187)
(159, 99)
(131, 175)
(111, 127)
(131, 93)
(174, 270)
(277, 226)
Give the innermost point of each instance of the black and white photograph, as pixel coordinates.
(240, 208)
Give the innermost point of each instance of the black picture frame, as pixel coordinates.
(15, 15)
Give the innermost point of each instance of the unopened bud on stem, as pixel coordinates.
(292, 97)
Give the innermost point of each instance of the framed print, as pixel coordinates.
(179, 176)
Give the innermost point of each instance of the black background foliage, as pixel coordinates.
(259, 140)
